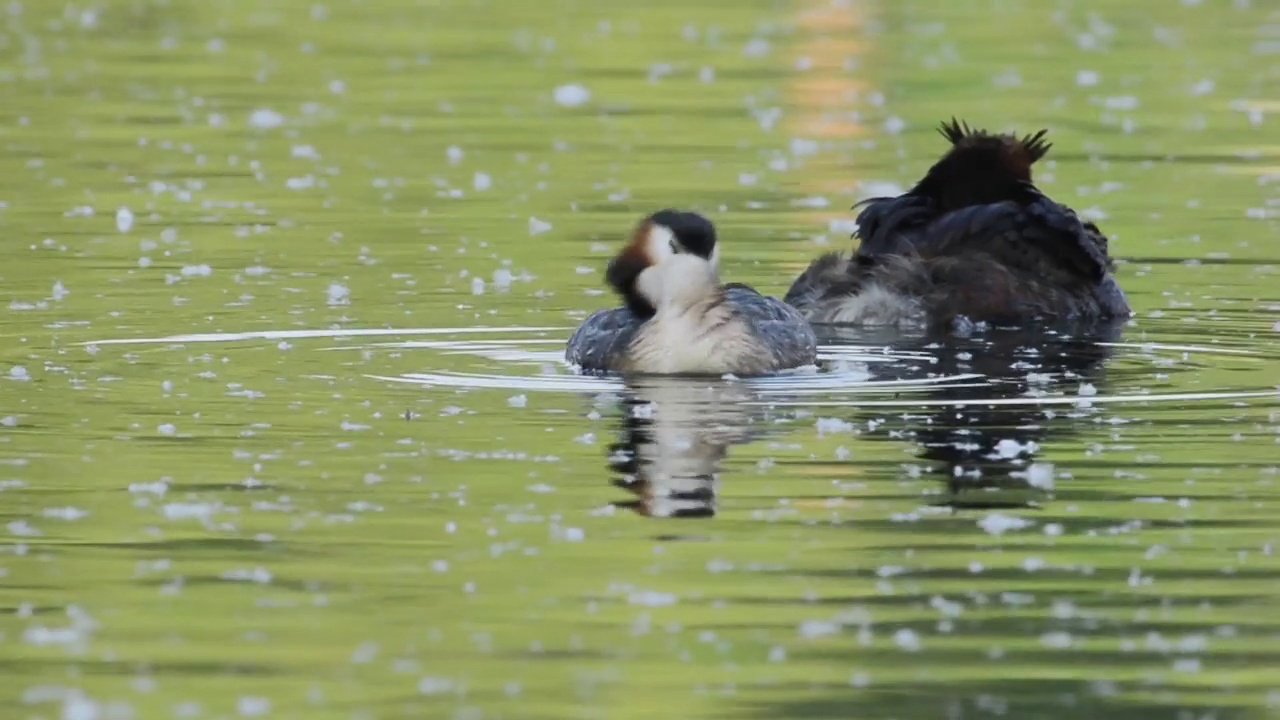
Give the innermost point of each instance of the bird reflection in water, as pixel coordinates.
(986, 450)
(675, 433)
(981, 438)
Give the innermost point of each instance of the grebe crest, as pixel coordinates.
(982, 167)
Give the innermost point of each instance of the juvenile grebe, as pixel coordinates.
(679, 319)
(974, 239)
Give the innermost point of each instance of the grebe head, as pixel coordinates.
(670, 252)
(982, 167)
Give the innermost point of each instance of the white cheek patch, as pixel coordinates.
(649, 286)
(657, 245)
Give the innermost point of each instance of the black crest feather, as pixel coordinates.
(957, 130)
(1034, 145)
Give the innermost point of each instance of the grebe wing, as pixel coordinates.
(1042, 237)
(603, 339)
(889, 225)
(778, 324)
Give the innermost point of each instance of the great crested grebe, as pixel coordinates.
(678, 319)
(975, 239)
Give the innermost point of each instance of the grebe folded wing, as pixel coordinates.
(783, 328)
(887, 225)
(605, 336)
(1043, 237)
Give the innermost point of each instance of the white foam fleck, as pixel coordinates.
(22, 528)
(265, 119)
(999, 524)
(829, 426)
(1009, 448)
(757, 47)
(259, 575)
(339, 294)
(70, 514)
(1056, 640)
(1040, 475)
(365, 653)
(78, 707)
(572, 95)
(538, 227)
(907, 640)
(124, 219)
(160, 487)
(251, 706)
(434, 685)
(818, 628)
(1188, 665)
(1121, 102)
(650, 598)
(189, 511)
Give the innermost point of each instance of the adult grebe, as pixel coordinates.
(975, 239)
(677, 317)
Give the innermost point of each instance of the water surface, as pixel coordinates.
(285, 431)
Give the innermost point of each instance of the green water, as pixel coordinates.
(309, 527)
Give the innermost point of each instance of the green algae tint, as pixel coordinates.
(284, 517)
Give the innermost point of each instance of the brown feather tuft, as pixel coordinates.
(625, 268)
(1035, 145)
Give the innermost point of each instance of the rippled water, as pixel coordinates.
(285, 429)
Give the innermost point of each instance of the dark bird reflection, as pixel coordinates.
(983, 438)
(675, 433)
